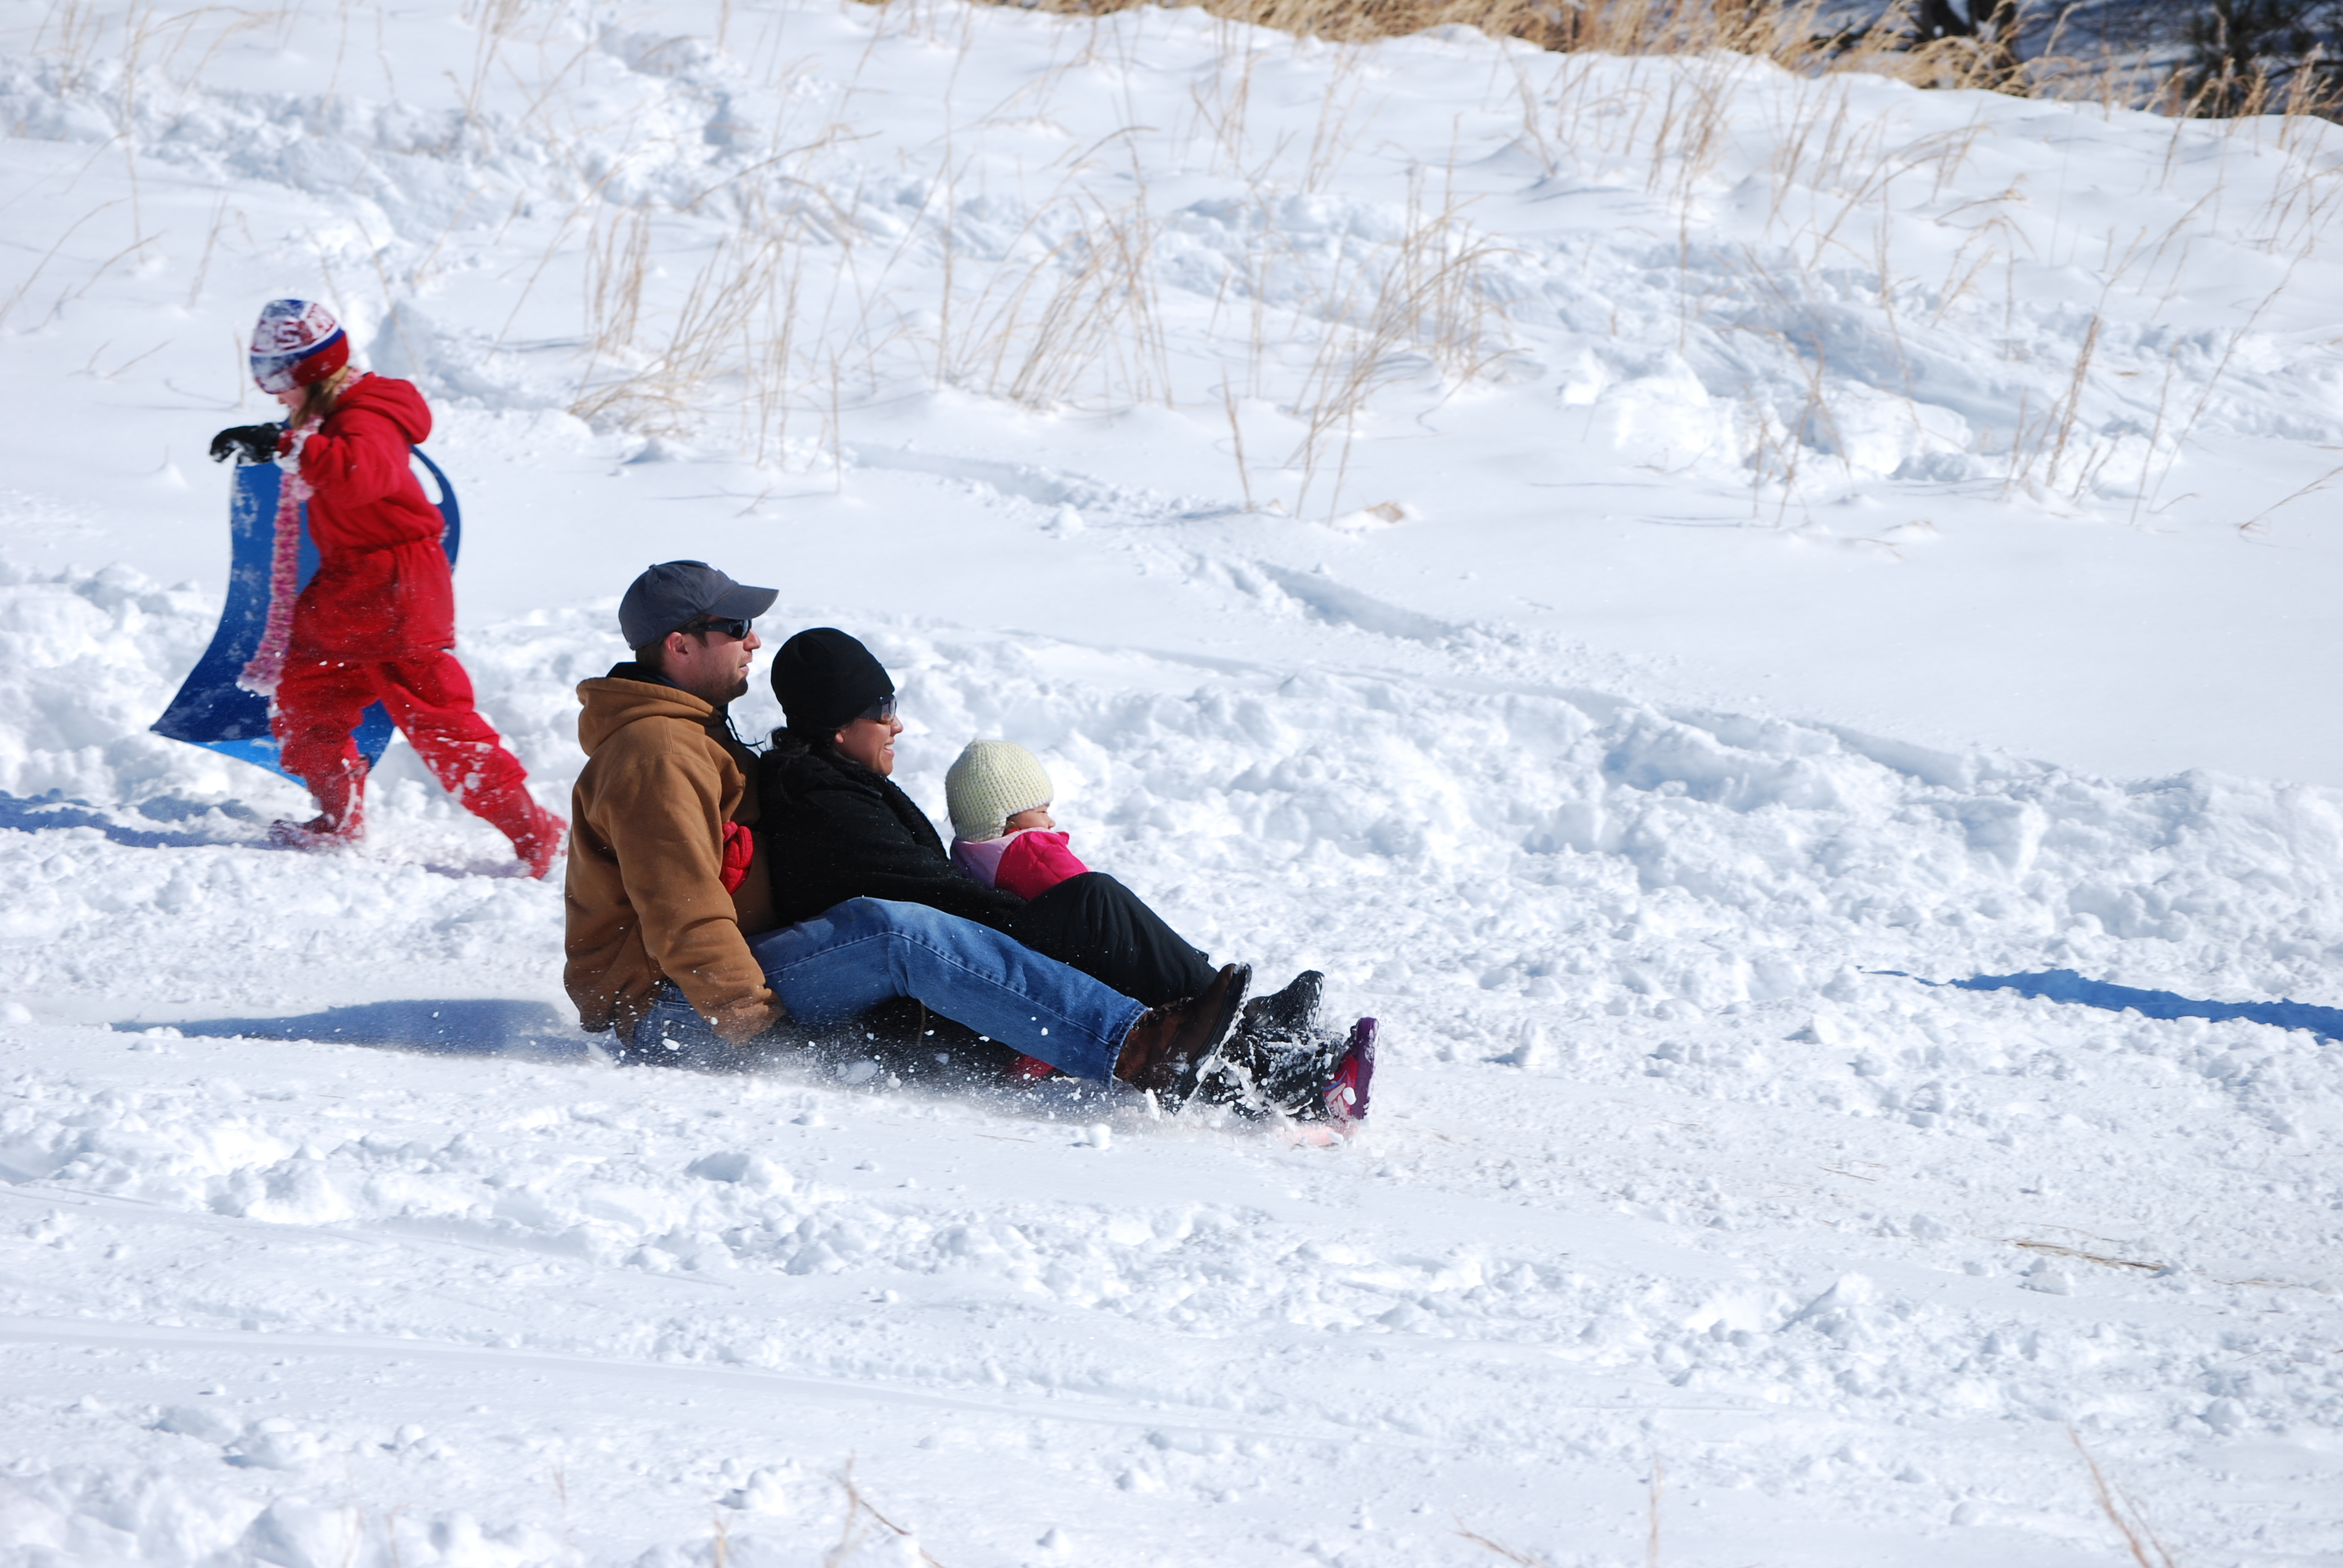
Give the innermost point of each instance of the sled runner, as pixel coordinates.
(211, 710)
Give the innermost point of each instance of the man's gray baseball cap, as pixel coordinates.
(673, 594)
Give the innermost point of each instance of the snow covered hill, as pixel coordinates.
(1581, 549)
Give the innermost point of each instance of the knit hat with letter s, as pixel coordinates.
(989, 783)
(296, 343)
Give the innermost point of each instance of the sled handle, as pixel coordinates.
(452, 513)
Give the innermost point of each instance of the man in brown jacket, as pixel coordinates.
(671, 941)
(650, 896)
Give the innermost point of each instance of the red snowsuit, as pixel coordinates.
(376, 623)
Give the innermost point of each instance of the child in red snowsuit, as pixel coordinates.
(376, 622)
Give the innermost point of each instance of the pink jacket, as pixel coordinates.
(1027, 863)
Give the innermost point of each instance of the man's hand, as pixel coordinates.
(747, 1021)
(246, 443)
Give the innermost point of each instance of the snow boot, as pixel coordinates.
(1277, 1058)
(1290, 1014)
(319, 832)
(539, 842)
(340, 794)
(1264, 1076)
(1168, 1045)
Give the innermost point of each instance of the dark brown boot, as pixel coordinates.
(1166, 1046)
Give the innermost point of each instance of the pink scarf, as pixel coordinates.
(267, 666)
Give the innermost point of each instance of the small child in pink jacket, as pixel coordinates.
(1000, 795)
(1278, 1060)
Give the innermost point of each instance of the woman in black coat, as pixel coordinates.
(834, 826)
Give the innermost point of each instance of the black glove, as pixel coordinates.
(246, 443)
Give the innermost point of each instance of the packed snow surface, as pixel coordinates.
(1620, 563)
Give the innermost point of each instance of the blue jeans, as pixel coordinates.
(850, 958)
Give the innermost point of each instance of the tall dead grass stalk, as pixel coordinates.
(1410, 302)
(1510, 1554)
(858, 1509)
(2124, 1514)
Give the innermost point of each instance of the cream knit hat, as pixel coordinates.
(989, 783)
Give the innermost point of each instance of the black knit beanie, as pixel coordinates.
(824, 678)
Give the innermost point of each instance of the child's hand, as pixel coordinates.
(246, 443)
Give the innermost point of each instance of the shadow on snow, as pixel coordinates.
(45, 813)
(2068, 986)
(472, 1027)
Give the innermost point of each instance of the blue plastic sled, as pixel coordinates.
(211, 710)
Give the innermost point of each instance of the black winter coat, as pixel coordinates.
(832, 831)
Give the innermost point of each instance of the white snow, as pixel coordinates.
(1671, 516)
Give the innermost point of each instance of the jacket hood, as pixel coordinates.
(619, 698)
(397, 401)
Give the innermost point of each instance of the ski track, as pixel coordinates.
(1673, 1207)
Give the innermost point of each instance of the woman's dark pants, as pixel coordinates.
(1097, 925)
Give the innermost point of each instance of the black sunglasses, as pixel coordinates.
(737, 631)
(880, 712)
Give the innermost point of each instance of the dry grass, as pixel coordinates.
(1082, 316)
(810, 295)
(1510, 1554)
(2125, 1512)
(1659, 1483)
(1414, 299)
(1792, 35)
(860, 1516)
(786, 295)
(1600, 26)
(2103, 1259)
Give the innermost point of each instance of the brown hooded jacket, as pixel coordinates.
(645, 893)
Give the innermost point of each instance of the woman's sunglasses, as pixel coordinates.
(880, 712)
